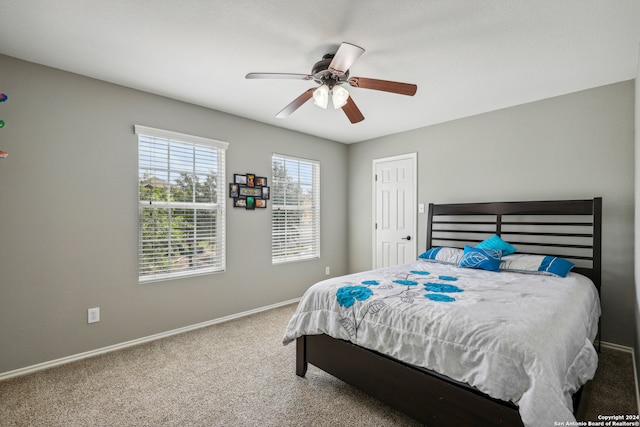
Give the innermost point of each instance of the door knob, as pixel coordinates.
(406, 238)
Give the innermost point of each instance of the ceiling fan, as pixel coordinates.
(330, 73)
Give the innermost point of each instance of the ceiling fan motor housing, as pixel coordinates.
(322, 75)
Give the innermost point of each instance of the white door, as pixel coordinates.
(395, 210)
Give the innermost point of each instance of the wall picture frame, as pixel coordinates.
(240, 179)
(251, 203)
(234, 190)
(249, 191)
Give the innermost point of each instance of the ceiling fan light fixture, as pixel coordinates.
(321, 96)
(330, 73)
(339, 96)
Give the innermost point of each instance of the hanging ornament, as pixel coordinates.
(3, 97)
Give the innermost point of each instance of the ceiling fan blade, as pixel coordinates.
(384, 85)
(344, 58)
(352, 111)
(278, 76)
(297, 103)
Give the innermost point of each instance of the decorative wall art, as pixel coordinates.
(249, 191)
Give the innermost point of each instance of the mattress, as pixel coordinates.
(518, 337)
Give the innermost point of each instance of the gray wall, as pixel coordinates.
(68, 217)
(579, 145)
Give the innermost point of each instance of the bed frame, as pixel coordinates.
(571, 229)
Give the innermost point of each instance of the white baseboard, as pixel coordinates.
(120, 346)
(633, 359)
(617, 347)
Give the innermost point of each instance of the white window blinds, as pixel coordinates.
(295, 202)
(181, 204)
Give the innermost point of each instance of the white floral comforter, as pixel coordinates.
(516, 337)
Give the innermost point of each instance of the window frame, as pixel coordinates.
(277, 233)
(218, 262)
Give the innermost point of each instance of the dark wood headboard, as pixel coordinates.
(570, 229)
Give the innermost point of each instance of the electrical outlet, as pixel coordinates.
(93, 315)
(327, 270)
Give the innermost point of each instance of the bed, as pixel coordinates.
(465, 368)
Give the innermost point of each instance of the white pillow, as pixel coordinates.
(536, 264)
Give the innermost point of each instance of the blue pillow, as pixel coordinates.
(556, 266)
(496, 242)
(485, 259)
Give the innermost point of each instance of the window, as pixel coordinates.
(181, 204)
(295, 198)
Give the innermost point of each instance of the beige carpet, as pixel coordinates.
(232, 374)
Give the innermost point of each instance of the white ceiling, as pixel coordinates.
(466, 56)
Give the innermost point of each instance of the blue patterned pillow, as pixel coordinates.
(443, 255)
(496, 242)
(536, 264)
(485, 259)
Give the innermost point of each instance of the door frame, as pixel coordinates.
(411, 156)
